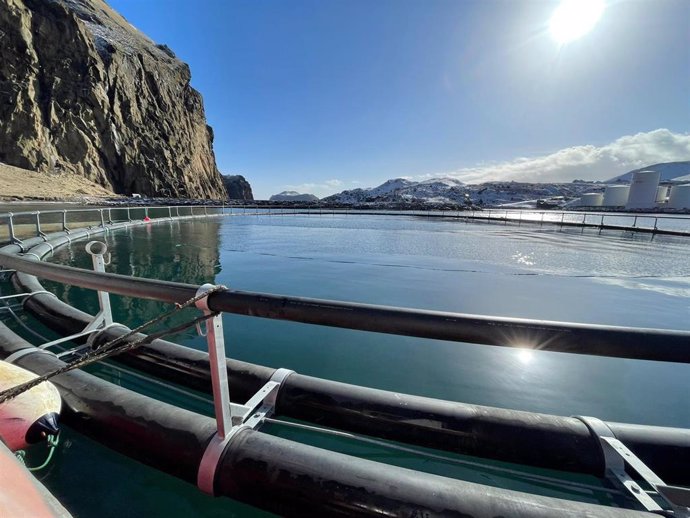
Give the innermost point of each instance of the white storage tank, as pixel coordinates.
(616, 195)
(661, 193)
(591, 199)
(680, 197)
(643, 190)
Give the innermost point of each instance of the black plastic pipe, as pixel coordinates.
(342, 486)
(541, 440)
(183, 365)
(162, 436)
(600, 340)
(275, 474)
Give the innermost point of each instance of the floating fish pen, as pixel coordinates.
(230, 456)
(667, 224)
(631, 222)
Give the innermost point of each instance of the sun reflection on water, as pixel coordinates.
(525, 356)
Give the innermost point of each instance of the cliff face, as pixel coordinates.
(238, 187)
(83, 91)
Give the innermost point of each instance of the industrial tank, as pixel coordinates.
(591, 199)
(680, 197)
(661, 193)
(643, 190)
(616, 195)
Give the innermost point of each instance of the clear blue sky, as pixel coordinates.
(324, 95)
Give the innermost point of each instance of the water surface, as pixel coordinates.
(527, 271)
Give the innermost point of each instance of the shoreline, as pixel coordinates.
(124, 201)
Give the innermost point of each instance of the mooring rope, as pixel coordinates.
(113, 347)
(53, 441)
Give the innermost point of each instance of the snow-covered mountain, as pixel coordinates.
(452, 191)
(669, 171)
(402, 190)
(489, 194)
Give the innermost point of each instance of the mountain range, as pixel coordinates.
(453, 191)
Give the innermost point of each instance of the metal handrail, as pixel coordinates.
(491, 214)
(107, 207)
(101, 216)
(495, 211)
(592, 339)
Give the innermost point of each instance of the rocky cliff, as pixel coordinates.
(238, 187)
(83, 91)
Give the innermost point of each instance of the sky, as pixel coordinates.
(321, 96)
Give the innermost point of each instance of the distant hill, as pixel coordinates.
(238, 187)
(668, 171)
(293, 196)
(440, 191)
(403, 190)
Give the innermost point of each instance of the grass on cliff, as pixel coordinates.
(22, 184)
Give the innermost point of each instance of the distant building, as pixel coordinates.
(643, 189)
(680, 197)
(591, 199)
(616, 195)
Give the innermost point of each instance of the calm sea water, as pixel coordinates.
(571, 275)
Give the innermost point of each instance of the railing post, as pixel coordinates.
(10, 222)
(146, 212)
(38, 225)
(64, 222)
(97, 249)
(635, 222)
(177, 210)
(102, 219)
(129, 214)
(170, 212)
(562, 216)
(110, 216)
(217, 364)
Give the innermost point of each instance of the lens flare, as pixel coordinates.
(575, 18)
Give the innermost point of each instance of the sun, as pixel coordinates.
(574, 18)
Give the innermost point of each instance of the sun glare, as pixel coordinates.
(525, 356)
(575, 18)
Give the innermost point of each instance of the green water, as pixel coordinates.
(608, 278)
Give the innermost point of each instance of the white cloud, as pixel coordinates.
(584, 162)
(320, 189)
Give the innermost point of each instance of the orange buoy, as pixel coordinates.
(29, 417)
